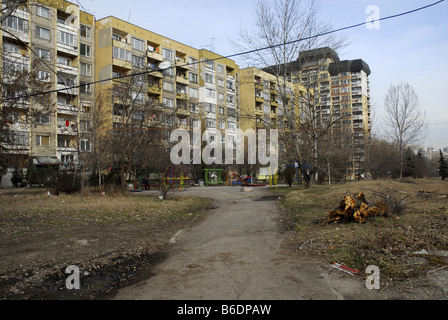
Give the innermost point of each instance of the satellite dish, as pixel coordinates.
(165, 65)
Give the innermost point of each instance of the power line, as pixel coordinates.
(228, 56)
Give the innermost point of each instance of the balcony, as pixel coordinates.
(18, 30)
(259, 85)
(182, 80)
(182, 111)
(154, 72)
(154, 55)
(65, 85)
(74, 71)
(122, 63)
(259, 99)
(67, 109)
(69, 131)
(182, 64)
(154, 90)
(181, 96)
(71, 49)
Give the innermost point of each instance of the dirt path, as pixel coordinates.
(236, 253)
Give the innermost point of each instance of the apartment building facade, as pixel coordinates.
(190, 88)
(262, 101)
(52, 44)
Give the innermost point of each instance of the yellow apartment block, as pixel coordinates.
(194, 88)
(54, 41)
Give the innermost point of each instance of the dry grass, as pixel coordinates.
(389, 243)
(22, 212)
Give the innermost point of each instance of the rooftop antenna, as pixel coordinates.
(129, 16)
(212, 45)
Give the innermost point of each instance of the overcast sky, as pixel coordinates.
(411, 48)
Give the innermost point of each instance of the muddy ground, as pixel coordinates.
(108, 255)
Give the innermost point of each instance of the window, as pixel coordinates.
(193, 62)
(210, 93)
(220, 97)
(169, 103)
(43, 12)
(138, 62)
(209, 64)
(43, 119)
(209, 78)
(232, 126)
(138, 44)
(210, 108)
(193, 77)
(169, 120)
(86, 107)
(221, 82)
(12, 116)
(230, 85)
(85, 32)
(43, 54)
(85, 87)
(168, 86)
(18, 24)
(64, 61)
(222, 125)
(221, 110)
(86, 69)
(116, 74)
(67, 38)
(220, 68)
(67, 158)
(122, 54)
(11, 47)
(169, 72)
(42, 33)
(42, 141)
(85, 146)
(84, 125)
(211, 123)
(138, 96)
(43, 76)
(63, 142)
(85, 50)
(195, 124)
(194, 108)
(168, 54)
(20, 138)
(194, 93)
(13, 66)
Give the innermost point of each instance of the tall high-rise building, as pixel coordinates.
(341, 100)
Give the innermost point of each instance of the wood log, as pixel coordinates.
(355, 207)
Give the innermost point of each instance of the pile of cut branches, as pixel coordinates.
(355, 208)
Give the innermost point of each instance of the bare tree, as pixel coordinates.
(405, 123)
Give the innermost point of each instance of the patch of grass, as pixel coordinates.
(35, 211)
(389, 243)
